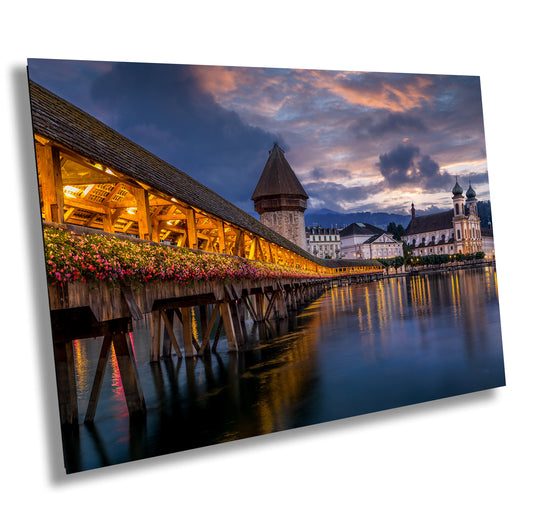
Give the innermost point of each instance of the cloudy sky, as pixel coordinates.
(357, 141)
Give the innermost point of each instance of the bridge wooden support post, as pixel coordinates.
(66, 383)
(237, 323)
(232, 296)
(227, 319)
(248, 300)
(281, 303)
(299, 295)
(188, 337)
(155, 332)
(259, 306)
(98, 378)
(168, 318)
(129, 375)
(204, 348)
(270, 313)
(293, 305)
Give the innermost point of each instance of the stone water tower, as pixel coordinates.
(280, 199)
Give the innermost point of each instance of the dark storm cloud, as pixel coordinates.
(338, 197)
(379, 125)
(164, 109)
(318, 174)
(401, 167)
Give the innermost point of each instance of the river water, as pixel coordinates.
(356, 349)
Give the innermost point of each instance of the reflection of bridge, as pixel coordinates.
(92, 179)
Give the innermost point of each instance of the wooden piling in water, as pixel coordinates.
(66, 382)
(81, 311)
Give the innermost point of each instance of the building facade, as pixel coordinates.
(488, 242)
(323, 242)
(362, 240)
(280, 199)
(449, 232)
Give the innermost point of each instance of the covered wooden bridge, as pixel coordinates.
(94, 181)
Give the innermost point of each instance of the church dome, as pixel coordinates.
(457, 190)
(470, 193)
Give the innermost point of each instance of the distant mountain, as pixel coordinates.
(327, 218)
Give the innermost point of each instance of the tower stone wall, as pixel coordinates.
(288, 223)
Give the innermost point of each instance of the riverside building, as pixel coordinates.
(362, 240)
(323, 242)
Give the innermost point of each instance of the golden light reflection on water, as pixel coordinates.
(368, 314)
(285, 379)
(81, 361)
(269, 386)
(194, 324)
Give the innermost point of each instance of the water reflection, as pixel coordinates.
(355, 350)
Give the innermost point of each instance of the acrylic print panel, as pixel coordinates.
(232, 252)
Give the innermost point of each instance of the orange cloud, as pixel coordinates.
(378, 94)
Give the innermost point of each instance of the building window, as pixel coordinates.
(458, 234)
(456, 208)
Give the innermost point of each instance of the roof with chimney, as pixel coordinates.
(278, 178)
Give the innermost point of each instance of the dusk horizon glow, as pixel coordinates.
(358, 141)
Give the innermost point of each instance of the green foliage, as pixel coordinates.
(485, 213)
(438, 259)
(396, 231)
(395, 262)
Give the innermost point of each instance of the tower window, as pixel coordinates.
(458, 234)
(457, 208)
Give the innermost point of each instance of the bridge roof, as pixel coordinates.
(56, 119)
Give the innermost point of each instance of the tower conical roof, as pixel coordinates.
(278, 178)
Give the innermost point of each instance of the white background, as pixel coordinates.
(466, 455)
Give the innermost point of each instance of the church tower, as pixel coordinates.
(471, 201)
(280, 199)
(473, 229)
(466, 222)
(459, 218)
